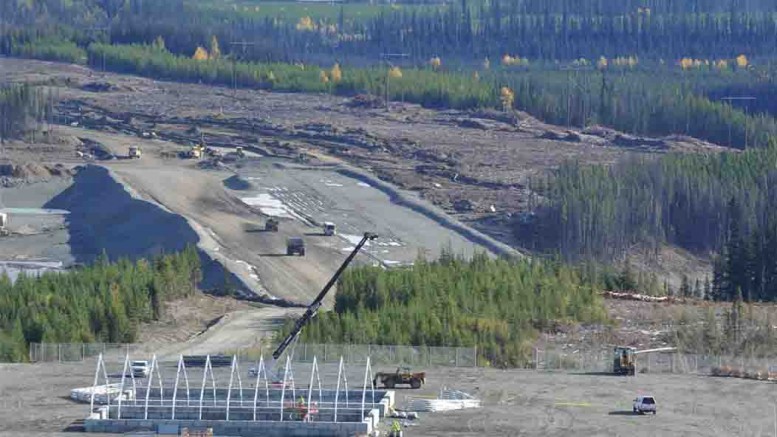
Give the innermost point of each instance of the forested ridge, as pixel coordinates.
(103, 302)
(654, 67)
(722, 203)
(495, 304)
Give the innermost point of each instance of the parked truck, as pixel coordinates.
(403, 375)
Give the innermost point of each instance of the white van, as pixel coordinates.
(645, 404)
(140, 369)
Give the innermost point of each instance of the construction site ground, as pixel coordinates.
(475, 166)
(35, 402)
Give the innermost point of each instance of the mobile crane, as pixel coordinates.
(312, 309)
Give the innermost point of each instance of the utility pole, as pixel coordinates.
(243, 44)
(745, 99)
(385, 57)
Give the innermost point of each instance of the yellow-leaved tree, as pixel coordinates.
(742, 61)
(435, 63)
(323, 77)
(305, 24)
(507, 97)
(215, 51)
(336, 73)
(200, 54)
(395, 73)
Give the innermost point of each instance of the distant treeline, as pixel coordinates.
(464, 30)
(668, 66)
(634, 102)
(21, 107)
(495, 304)
(104, 302)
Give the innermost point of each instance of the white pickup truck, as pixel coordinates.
(140, 369)
(644, 404)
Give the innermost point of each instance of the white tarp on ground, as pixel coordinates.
(446, 401)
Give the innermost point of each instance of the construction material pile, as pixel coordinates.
(737, 372)
(447, 400)
(639, 297)
(102, 394)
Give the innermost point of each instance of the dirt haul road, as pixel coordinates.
(232, 231)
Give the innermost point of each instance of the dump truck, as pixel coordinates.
(271, 225)
(4, 225)
(134, 152)
(403, 375)
(295, 246)
(329, 229)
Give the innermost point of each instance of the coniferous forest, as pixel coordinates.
(103, 302)
(498, 305)
(21, 106)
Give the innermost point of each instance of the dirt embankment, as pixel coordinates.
(104, 217)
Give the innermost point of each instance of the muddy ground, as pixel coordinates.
(477, 166)
(527, 403)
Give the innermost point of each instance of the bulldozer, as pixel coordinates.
(403, 375)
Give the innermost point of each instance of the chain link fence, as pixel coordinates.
(325, 353)
(655, 362)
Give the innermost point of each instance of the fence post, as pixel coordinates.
(429, 351)
(59, 352)
(457, 357)
(83, 351)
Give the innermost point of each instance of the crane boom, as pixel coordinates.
(312, 309)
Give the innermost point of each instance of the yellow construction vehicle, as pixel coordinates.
(196, 152)
(134, 152)
(625, 359)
